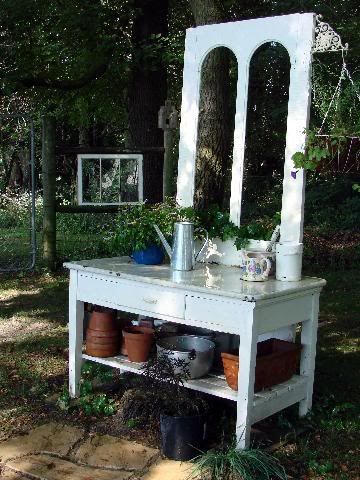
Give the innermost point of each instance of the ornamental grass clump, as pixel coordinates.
(228, 463)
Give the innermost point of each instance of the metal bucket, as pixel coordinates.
(197, 352)
(222, 340)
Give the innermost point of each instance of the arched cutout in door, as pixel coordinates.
(215, 129)
(268, 95)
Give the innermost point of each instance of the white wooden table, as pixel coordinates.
(213, 297)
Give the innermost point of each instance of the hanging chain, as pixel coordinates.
(349, 76)
(327, 40)
(335, 96)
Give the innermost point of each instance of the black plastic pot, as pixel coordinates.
(182, 437)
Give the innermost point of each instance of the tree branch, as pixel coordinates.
(93, 73)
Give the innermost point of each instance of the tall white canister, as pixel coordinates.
(288, 261)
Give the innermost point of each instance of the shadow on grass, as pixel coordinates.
(46, 343)
(50, 303)
(338, 348)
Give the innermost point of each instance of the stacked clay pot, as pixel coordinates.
(102, 334)
(138, 342)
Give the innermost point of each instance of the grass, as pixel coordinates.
(33, 336)
(226, 463)
(33, 366)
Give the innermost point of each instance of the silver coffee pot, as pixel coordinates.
(182, 255)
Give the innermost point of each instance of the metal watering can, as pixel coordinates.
(182, 255)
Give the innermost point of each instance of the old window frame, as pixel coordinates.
(97, 156)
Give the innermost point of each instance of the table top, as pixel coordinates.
(205, 278)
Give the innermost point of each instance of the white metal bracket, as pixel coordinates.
(326, 39)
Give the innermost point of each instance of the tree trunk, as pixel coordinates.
(215, 120)
(49, 191)
(147, 91)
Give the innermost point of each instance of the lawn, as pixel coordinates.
(33, 369)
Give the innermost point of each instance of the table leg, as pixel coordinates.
(76, 319)
(307, 363)
(246, 379)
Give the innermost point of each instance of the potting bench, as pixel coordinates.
(213, 297)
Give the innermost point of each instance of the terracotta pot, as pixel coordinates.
(102, 320)
(124, 323)
(231, 369)
(102, 336)
(100, 350)
(138, 342)
(95, 336)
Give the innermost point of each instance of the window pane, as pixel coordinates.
(129, 172)
(110, 181)
(91, 180)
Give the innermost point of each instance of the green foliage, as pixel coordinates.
(135, 230)
(316, 151)
(90, 402)
(133, 423)
(332, 203)
(228, 463)
(91, 370)
(57, 48)
(219, 225)
(15, 210)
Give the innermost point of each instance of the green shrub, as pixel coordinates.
(90, 402)
(15, 210)
(228, 463)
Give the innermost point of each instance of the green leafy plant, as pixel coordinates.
(97, 404)
(90, 402)
(228, 463)
(135, 225)
(91, 371)
(320, 150)
(135, 229)
(316, 150)
(133, 423)
(219, 225)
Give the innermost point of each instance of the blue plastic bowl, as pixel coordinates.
(152, 255)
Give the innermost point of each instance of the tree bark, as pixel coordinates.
(147, 91)
(169, 188)
(215, 121)
(49, 191)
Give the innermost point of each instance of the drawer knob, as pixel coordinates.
(149, 300)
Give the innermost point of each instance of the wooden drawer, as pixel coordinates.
(131, 296)
(219, 315)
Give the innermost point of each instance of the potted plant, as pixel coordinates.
(182, 415)
(227, 239)
(135, 234)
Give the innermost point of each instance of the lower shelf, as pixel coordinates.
(266, 402)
